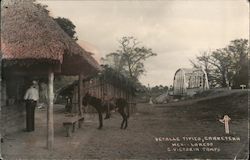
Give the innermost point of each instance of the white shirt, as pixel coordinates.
(31, 94)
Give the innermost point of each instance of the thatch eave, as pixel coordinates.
(30, 37)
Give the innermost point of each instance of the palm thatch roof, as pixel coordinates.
(30, 36)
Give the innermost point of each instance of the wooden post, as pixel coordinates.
(80, 94)
(226, 120)
(50, 120)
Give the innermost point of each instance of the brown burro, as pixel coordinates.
(119, 103)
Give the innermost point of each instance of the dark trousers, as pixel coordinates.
(30, 115)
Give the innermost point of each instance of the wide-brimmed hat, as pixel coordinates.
(34, 82)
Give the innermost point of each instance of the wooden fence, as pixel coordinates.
(98, 88)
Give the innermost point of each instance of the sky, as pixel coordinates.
(177, 30)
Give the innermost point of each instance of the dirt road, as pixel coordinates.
(196, 119)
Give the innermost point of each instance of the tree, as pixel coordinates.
(202, 61)
(222, 62)
(158, 90)
(227, 66)
(67, 26)
(217, 65)
(238, 50)
(129, 58)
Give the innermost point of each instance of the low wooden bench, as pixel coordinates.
(71, 121)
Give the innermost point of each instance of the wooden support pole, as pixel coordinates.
(80, 94)
(50, 120)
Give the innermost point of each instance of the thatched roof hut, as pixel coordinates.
(33, 44)
(30, 37)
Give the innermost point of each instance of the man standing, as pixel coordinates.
(31, 97)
